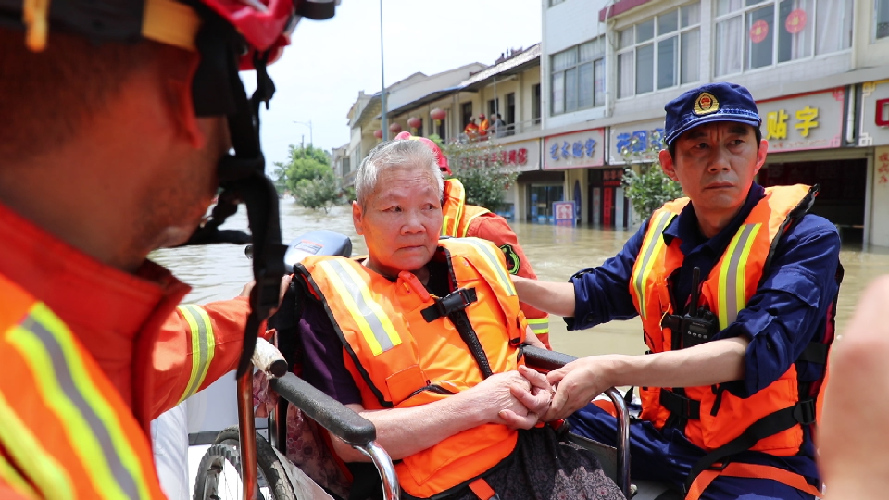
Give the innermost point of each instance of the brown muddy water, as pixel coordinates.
(218, 272)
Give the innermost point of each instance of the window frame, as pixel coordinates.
(774, 5)
(629, 47)
(596, 62)
(878, 4)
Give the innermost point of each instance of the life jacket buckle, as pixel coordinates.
(455, 301)
(804, 411)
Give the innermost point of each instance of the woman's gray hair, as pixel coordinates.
(400, 154)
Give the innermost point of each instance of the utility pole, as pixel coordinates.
(383, 80)
(307, 124)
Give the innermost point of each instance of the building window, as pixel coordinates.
(753, 34)
(346, 165)
(578, 77)
(660, 53)
(466, 113)
(881, 19)
(492, 108)
(535, 103)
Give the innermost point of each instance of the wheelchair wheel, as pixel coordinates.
(219, 473)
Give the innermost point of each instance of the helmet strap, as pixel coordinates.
(218, 90)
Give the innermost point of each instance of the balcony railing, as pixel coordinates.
(508, 130)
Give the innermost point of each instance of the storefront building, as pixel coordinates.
(570, 160)
(873, 142)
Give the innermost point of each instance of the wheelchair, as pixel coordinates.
(242, 463)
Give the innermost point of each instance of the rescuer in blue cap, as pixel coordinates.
(736, 287)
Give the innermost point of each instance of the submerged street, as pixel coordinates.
(218, 272)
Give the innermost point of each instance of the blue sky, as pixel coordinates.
(320, 74)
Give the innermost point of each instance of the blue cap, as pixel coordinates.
(719, 101)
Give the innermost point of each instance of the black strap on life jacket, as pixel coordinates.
(453, 306)
(682, 408)
(803, 413)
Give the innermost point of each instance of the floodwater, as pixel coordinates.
(218, 272)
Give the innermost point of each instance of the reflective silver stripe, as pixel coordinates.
(731, 282)
(363, 308)
(538, 325)
(200, 330)
(646, 257)
(65, 380)
(486, 249)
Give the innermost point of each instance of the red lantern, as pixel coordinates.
(414, 123)
(438, 115)
(378, 134)
(395, 128)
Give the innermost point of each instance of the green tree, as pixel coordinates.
(316, 193)
(483, 170)
(645, 183)
(305, 163)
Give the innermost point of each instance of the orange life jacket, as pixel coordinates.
(65, 432)
(408, 354)
(769, 421)
(457, 214)
(458, 218)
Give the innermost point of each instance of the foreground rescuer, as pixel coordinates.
(118, 119)
(423, 338)
(736, 287)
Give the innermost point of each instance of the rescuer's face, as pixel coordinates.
(716, 163)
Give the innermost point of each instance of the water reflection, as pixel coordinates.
(219, 271)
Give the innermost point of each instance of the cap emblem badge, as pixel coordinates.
(705, 104)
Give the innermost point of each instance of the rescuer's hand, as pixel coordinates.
(576, 384)
(285, 284)
(852, 439)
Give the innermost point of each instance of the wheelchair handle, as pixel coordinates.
(269, 359)
(342, 421)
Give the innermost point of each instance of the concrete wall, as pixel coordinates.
(869, 52)
(879, 213)
(566, 24)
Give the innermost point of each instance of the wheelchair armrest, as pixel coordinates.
(543, 359)
(340, 420)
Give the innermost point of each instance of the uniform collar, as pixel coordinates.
(685, 227)
(107, 309)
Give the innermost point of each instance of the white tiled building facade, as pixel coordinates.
(819, 70)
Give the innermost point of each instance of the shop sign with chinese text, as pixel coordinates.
(809, 121)
(641, 141)
(524, 155)
(574, 150)
(873, 120)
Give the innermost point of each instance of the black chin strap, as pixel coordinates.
(218, 91)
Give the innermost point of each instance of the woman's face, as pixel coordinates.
(401, 221)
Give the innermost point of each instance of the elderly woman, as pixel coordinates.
(422, 337)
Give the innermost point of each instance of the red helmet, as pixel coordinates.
(440, 158)
(265, 25)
